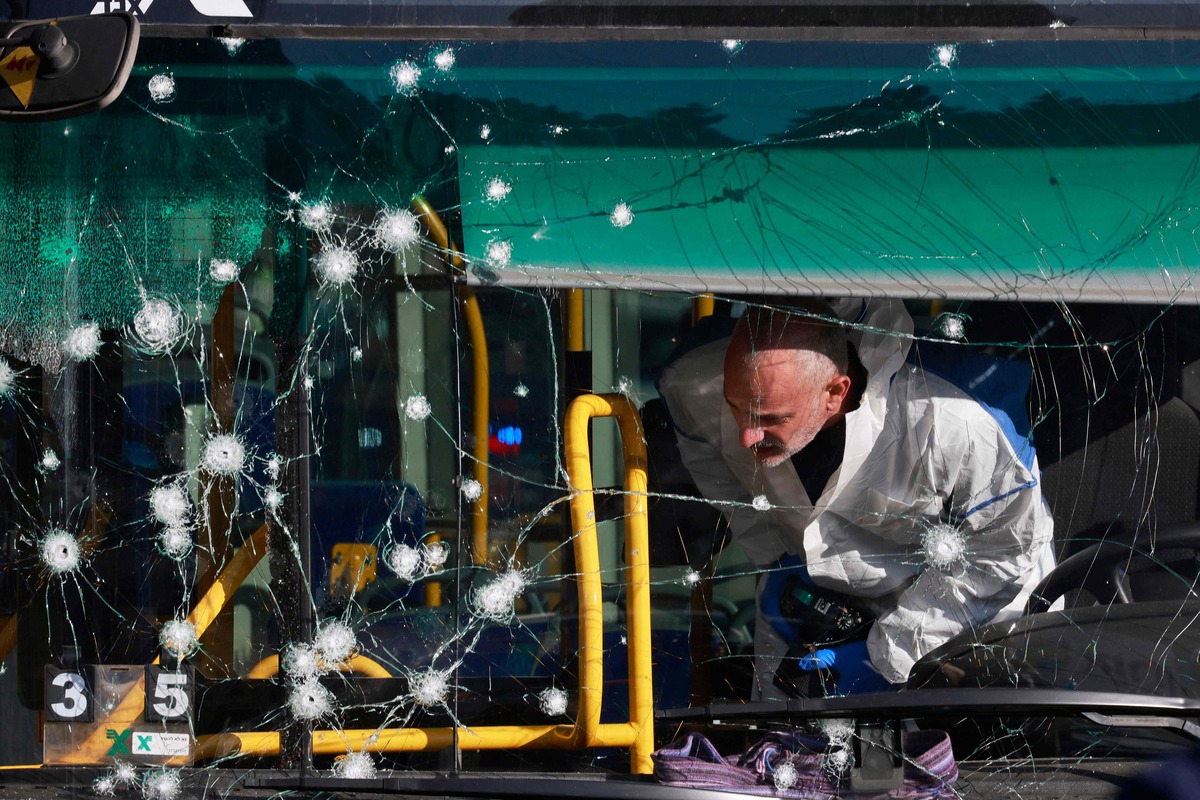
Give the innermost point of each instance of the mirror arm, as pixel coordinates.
(50, 44)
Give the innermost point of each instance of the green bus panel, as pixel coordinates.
(1064, 223)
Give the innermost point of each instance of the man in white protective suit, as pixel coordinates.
(887, 487)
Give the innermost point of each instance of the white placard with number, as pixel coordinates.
(169, 694)
(68, 695)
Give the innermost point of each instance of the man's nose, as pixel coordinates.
(751, 436)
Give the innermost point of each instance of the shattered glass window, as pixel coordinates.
(366, 415)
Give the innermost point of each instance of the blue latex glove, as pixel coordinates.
(845, 669)
(841, 669)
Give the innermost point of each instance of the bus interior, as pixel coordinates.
(332, 451)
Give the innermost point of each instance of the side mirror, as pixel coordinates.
(65, 67)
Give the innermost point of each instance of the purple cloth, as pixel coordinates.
(819, 767)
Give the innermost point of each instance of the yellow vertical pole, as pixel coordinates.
(587, 558)
(587, 563)
(481, 379)
(479, 426)
(637, 562)
(702, 306)
(575, 341)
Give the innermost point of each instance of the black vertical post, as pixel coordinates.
(291, 565)
(451, 760)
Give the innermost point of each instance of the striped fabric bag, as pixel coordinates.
(796, 765)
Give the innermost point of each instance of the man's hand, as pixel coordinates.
(799, 611)
(844, 669)
(829, 671)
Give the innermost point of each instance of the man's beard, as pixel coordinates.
(783, 451)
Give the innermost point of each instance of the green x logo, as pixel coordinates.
(144, 742)
(120, 745)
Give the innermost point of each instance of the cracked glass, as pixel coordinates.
(375, 412)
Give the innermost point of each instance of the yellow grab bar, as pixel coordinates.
(357, 664)
(638, 733)
(228, 745)
(479, 417)
(575, 320)
(408, 740)
(702, 306)
(230, 578)
(437, 228)
(587, 562)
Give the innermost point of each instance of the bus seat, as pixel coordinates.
(1141, 475)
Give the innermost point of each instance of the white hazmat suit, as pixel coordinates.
(934, 519)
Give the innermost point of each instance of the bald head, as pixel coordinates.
(806, 334)
(785, 379)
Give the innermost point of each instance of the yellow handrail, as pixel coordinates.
(437, 228)
(575, 321)
(481, 381)
(356, 664)
(702, 306)
(230, 578)
(479, 417)
(587, 731)
(587, 561)
(407, 740)
(638, 733)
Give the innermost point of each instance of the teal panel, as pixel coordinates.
(1070, 222)
(1064, 172)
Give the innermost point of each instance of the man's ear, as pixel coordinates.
(838, 390)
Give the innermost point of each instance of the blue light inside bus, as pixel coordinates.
(506, 441)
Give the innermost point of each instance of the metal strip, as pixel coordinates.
(483, 33)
